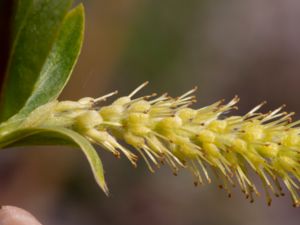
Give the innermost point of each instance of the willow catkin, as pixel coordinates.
(166, 130)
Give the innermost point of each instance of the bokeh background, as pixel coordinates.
(250, 48)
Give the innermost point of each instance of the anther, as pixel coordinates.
(117, 154)
(269, 202)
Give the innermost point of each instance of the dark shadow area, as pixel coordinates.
(6, 11)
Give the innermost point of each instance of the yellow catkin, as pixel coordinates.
(166, 130)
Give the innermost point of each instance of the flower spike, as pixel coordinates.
(165, 130)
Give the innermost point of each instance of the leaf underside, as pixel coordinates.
(58, 136)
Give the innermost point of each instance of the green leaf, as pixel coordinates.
(38, 32)
(59, 64)
(22, 9)
(57, 136)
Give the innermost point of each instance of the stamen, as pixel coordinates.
(104, 98)
(172, 165)
(196, 173)
(150, 155)
(251, 112)
(146, 160)
(189, 92)
(204, 170)
(138, 89)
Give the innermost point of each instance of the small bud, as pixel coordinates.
(206, 136)
(88, 120)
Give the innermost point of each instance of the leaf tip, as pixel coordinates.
(105, 189)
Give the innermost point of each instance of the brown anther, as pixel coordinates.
(229, 195)
(269, 202)
(135, 159)
(220, 186)
(195, 183)
(149, 96)
(175, 174)
(221, 101)
(117, 155)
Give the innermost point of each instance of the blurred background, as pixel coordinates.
(250, 48)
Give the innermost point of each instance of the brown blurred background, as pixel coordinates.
(250, 48)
